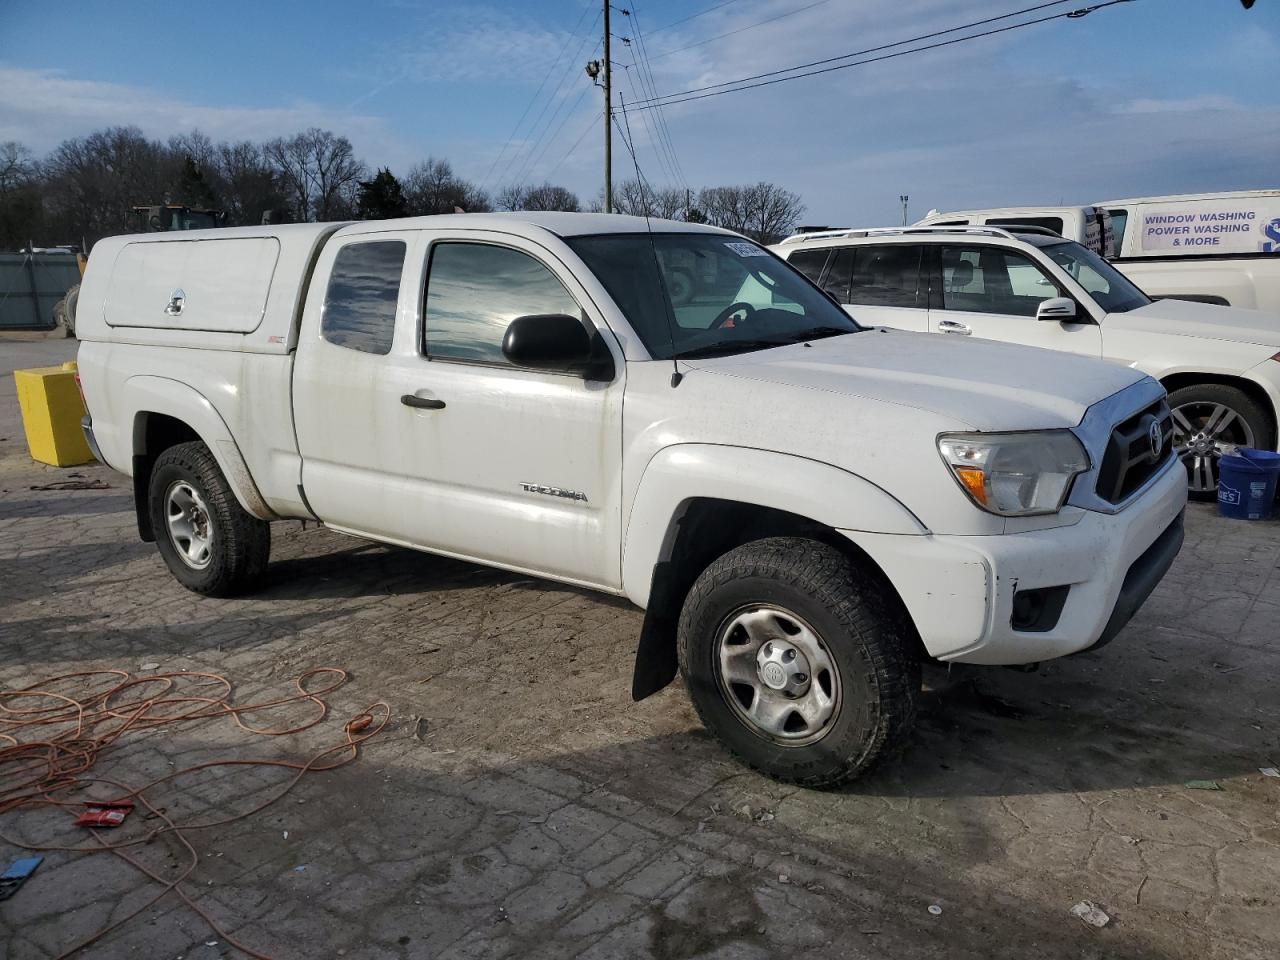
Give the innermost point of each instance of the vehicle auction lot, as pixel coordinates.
(539, 813)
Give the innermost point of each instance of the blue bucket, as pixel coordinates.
(1247, 483)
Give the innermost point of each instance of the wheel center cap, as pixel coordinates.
(773, 674)
(782, 667)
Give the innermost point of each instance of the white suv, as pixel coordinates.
(1219, 364)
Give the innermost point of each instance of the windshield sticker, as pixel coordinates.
(746, 249)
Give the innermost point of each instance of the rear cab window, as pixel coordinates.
(360, 301)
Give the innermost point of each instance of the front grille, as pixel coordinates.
(1131, 459)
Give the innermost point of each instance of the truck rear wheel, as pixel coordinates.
(208, 541)
(796, 662)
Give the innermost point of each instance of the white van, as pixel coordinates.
(1218, 248)
(1090, 226)
(1221, 248)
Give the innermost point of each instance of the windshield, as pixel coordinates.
(1114, 292)
(706, 294)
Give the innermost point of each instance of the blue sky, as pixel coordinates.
(1152, 96)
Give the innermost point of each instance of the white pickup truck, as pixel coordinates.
(804, 507)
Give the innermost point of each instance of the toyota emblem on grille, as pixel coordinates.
(1156, 436)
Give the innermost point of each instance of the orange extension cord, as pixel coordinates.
(70, 731)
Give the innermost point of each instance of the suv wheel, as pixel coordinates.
(1211, 419)
(208, 541)
(795, 661)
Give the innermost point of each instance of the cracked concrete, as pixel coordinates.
(544, 815)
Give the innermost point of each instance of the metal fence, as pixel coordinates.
(30, 285)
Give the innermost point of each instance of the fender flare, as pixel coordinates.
(173, 398)
(681, 473)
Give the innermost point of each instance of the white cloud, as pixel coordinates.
(43, 107)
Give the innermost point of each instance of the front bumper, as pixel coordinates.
(960, 590)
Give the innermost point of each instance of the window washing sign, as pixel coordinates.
(1212, 228)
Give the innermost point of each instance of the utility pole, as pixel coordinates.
(903, 198)
(608, 118)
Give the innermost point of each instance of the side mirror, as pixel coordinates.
(557, 343)
(1057, 309)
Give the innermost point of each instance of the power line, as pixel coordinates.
(750, 26)
(885, 46)
(664, 128)
(582, 136)
(533, 99)
(684, 96)
(555, 97)
(692, 16)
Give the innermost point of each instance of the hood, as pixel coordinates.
(982, 384)
(1205, 321)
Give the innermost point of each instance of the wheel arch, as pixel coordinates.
(166, 412)
(697, 502)
(1250, 388)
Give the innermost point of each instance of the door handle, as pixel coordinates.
(421, 403)
(954, 326)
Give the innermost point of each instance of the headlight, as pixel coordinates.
(1015, 474)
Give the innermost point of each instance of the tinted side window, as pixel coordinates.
(839, 275)
(1119, 220)
(475, 290)
(809, 262)
(360, 302)
(887, 276)
(991, 279)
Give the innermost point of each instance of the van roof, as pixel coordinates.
(1184, 197)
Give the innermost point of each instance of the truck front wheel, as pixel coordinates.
(797, 662)
(208, 541)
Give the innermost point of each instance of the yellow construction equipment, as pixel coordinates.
(51, 411)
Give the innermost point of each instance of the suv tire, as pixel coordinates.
(208, 541)
(1242, 423)
(800, 663)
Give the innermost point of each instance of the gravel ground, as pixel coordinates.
(539, 813)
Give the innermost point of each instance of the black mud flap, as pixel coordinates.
(656, 661)
(141, 482)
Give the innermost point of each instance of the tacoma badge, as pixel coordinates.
(554, 491)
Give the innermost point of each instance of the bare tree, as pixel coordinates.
(21, 209)
(771, 212)
(250, 187)
(319, 170)
(544, 197)
(763, 211)
(91, 183)
(643, 199)
(432, 187)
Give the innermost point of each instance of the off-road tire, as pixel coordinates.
(867, 632)
(1235, 399)
(241, 543)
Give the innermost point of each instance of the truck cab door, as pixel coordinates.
(993, 292)
(458, 450)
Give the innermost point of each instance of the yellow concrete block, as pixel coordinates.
(51, 412)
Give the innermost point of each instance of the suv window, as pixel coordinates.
(475, 290)
(885, 276)
(989, 279)
(809, 262)
(360, 302)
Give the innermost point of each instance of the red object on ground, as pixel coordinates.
(104, 814)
